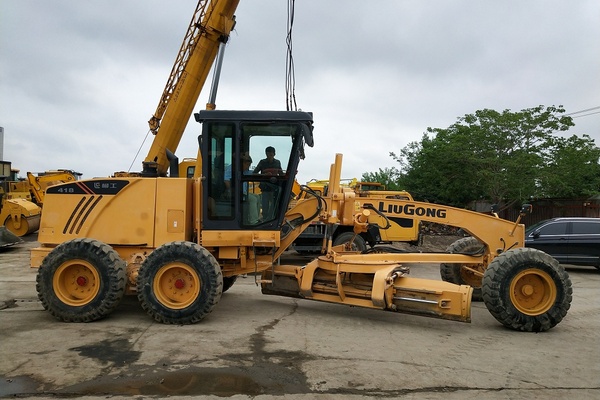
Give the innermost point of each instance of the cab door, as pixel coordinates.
(240, 196)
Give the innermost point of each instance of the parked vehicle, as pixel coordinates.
(574, 240)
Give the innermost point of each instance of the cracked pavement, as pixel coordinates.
(260, 347)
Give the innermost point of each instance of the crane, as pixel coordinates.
(208, 32)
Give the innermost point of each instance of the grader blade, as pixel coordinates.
(432, 298)
(7, 238)
(364, 284)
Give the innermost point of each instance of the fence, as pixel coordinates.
(551, 208)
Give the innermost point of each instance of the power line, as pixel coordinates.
(585, 115)
(582, 111)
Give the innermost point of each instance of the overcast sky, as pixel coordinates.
(80, 79)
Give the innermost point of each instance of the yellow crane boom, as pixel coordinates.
(210, 26)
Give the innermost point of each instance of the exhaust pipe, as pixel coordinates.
(173, 164)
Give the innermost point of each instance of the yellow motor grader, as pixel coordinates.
(178, 243)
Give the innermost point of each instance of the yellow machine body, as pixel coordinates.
(145, 214)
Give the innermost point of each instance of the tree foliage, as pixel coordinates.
(571, 168)
(390, 177)
(499, 156)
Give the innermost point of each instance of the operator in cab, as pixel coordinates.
(268, 166)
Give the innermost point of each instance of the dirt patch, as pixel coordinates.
(431, 243)
(438, 243)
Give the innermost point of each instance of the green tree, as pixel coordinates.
(571, 168)
(390, 177)
(499, 156)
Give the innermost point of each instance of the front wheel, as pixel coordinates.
(81, 280)
(463, 274)
(179, 283)
(527, 290)
(358, 244)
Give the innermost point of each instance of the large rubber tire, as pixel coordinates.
(179, 283)
(359, 243)
(456, 273)
(527, 290)
(81, 280)
(228, 282)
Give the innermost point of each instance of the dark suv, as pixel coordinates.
(570, 240)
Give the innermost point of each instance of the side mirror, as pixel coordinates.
(526, 209)
(307, 133)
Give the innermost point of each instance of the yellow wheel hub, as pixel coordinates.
(76, 283)
(533, 292)
(176, 285)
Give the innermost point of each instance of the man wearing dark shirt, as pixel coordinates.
(268, 166)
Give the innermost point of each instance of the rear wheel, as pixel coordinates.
(358, 244)
(527, 290)
(179, 283)
(462, 274)
(81, 280)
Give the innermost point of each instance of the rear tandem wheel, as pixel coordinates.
(179, 283)
(81, 280)
(527, 290)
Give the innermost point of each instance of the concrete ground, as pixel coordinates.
(263, 347)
